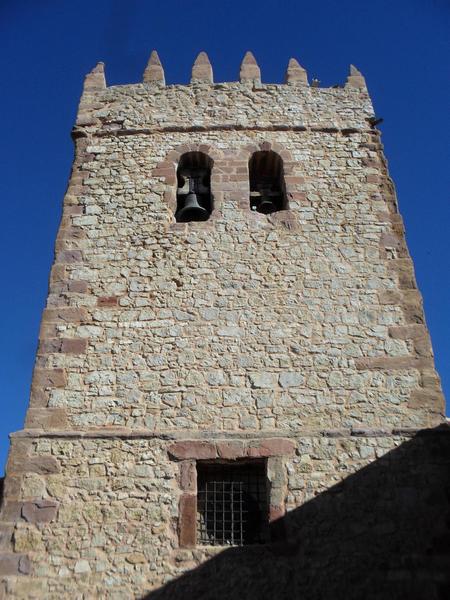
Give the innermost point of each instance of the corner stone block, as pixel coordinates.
(41, 511)
(6, 533)
(42, 465)
(74, 346)
(46, 418)
(55, 378)
(392, 363)
(14, 564)
(64, 315)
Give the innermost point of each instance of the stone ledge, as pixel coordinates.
(125, 433)
(330, 128)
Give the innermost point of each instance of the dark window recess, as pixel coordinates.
(267, 189)
(194, 199)
(232, 503)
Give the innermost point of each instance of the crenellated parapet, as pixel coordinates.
(203, 104)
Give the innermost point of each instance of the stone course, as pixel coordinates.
(297, 337)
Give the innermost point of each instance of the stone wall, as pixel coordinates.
(297, 337)
(98, 515)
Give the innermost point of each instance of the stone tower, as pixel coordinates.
(234, 378)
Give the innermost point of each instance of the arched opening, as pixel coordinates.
(267, 189)
(194, 198)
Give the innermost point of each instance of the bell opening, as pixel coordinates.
(194, 198)
(267, 188)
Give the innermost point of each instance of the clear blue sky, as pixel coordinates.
(47, 46)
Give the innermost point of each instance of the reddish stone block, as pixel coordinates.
(54, 378)
(231, 450)
(64, 315)
(39, 397)
(46, 418)
(390, 297)
(74, 346)
(48, 331)
(70, 233)
(372, 178)
(192, 449)
(188, 476)
(41, 511)
(427, 400)
(292, 180)
(11, 511)
(271, 447)
(276, 512)
(393, 363)
(407, 332)
(58, 273)
(78, 287)
(105, 301)
(6, 533)
(187, 522)
(42, 465)
(74, 209)
(14, 564)
(49, 346)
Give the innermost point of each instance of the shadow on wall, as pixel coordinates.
(382, 533)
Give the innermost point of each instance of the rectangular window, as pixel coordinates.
(232, 503)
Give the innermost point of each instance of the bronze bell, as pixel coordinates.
(192, 210)
(266, 206)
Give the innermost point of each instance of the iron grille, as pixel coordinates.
(232, 506)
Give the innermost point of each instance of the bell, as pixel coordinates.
(192, 211)
(266, 206)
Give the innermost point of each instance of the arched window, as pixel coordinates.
(267, 189)
(194, 199)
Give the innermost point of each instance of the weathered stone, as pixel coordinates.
(188, 476)
(202, 69)
(249, 68)
(263, 380)
(292, 343)
(393, 363)
(14, 564)
(187, 520)
(46, 418)
(28, 539)
(192, 449)
(82, 566)
(39, 511)
(271, 447)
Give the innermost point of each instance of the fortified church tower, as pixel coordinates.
(234, 378)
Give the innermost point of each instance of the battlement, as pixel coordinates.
(204, 105)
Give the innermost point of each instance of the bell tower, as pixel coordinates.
(234, 374)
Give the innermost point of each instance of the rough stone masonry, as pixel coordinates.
(295, 339)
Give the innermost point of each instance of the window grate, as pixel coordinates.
(232, 507)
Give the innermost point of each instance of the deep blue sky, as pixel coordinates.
(47, 46)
